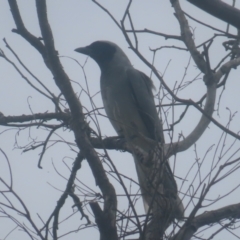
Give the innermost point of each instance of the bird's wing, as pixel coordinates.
(141, 86)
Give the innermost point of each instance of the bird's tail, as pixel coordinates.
(158, 187)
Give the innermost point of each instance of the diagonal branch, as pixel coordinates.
(228, 212)
(21, 30)
(219, 9)
(78, 124)
(187, 37)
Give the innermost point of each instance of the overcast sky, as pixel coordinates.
(78, 23)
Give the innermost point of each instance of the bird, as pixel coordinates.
(129, 104)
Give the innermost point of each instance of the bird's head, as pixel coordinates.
(105, 53)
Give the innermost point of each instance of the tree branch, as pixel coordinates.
(211, 79)
(228, 212)
(5, 120)
(102, 221)
(187, 37)
(21, 30)
(173, 148)
(111, 143)
(78, 124)
(219, 9)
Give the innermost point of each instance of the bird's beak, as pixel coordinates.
(84, 50)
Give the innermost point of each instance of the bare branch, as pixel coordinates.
(21, 30)
(187, 37)
(201, 126)
(209, 26)
(5, 120)
(78, 123)
(228, 212)
(220, 10)
(166, 36)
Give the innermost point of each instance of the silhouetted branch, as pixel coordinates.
(13, 203)
(220, 10)
(5, 120)
(228, 212)
(21, 29)
(78, 122)
(105, 227)
(166, 36)
(211, 79)
(111, 143)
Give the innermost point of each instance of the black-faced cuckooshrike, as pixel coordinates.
(129, 103)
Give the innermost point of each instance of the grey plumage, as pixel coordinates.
(129, 103)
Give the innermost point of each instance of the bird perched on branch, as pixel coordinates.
(129, 103)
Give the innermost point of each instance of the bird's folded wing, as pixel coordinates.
(141, 86)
